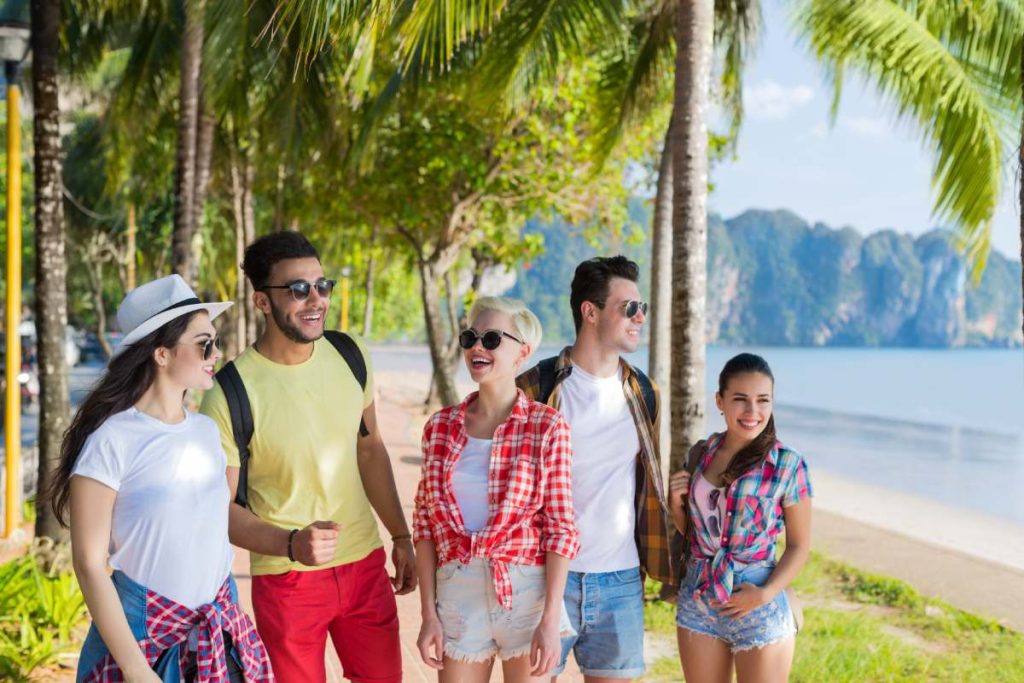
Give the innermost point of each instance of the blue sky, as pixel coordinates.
(868, 171)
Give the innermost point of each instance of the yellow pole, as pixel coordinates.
(12, 411)
(344, 302)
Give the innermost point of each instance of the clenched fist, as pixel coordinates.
(314, 544)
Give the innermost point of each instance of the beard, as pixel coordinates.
(292, 332)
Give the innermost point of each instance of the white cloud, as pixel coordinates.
(868, 126)
(768, 100)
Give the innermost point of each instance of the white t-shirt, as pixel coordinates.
(605, 445)
(469, 483)
(169, 530)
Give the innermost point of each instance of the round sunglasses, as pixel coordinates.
(300, 289)
(490, 339)
(631, 308)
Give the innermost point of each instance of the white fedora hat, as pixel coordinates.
(156, 303)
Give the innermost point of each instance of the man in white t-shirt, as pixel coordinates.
(619, 499)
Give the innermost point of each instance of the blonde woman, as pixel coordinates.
(494, 526)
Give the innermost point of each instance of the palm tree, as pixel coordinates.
(953, 70)
(51, 260)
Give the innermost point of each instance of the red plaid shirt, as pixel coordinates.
(168, 624)
(529, 491)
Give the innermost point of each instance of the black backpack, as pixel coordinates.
(241, 410)
(546, 385)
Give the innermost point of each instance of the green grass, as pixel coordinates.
(861, 627)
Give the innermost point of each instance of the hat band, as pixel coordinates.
(185, 302)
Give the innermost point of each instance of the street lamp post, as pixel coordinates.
(14, 35)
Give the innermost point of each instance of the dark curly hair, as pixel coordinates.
(261, 255)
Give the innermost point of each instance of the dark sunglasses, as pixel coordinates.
(207, 347)
(631, 308)
(490, 339)
(300, 288)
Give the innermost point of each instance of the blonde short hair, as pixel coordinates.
(523, 320)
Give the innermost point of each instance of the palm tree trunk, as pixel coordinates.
(185, 164)
(695, 41)
(252, 328)
(443, 377)
(239, 215)
(661, 294)
(51, 259)
(1020, 170)
(204, 158)
(371, 266)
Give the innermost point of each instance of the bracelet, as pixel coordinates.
(291, 537)
(401, 537)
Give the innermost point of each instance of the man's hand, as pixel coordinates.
(314, 545)
(404, 557)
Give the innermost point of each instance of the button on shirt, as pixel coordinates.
(754, 514)
(529, 491)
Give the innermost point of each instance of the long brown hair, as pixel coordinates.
(128, 376)
(754, 453)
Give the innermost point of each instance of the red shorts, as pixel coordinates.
(353, 602)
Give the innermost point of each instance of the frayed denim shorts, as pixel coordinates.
(768, 624)
(476, 627)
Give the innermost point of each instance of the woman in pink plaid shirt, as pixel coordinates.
(494, 526)
(746, 487)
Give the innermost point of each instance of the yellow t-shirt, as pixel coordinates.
(302, 463)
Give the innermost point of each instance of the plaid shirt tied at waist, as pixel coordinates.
(754, 505)
(168, 625)
(651, 533)
(529, 491)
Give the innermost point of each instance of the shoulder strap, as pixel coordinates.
(241, 424)
(647, 391)
(693, 457)
(545, 379)
(349, 350)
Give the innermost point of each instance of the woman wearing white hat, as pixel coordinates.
(144, 481)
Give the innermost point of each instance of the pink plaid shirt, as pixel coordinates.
(168, 624)
(529, 491)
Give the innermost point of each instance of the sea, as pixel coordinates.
(942, 424)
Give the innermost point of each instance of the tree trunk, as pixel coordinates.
(371, 264)
(94, 270)
(661, 295)
(237, 193)
(130, 248)
(695, 41)
(444, 376)
(185, 164)
(1020, 170)
(204, 160)
(51, 259)
(252, 326)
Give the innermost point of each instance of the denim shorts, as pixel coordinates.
(133, 601)
(765, 625)
(606, 609)
(476, 627)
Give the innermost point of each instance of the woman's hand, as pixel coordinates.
(546, 647)
(431, 643)
(678, 488)
(745, 598)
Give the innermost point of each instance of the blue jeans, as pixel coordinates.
(133, 600)
(606, 609)
(762, 626)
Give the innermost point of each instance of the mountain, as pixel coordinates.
(774, 279)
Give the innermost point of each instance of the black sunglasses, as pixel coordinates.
(207, 347)
(300, 288)
(631, 308)
(490, 339)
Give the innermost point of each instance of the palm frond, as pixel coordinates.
(943, 91)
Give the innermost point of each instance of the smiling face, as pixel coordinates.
(746, 404)
(185, 363)
(300, 321)
(502, 363)
(614, 330)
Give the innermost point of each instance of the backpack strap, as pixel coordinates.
(241, 424)
(349, 350)
(546, 379)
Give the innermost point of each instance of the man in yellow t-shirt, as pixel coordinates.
(318, 564)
